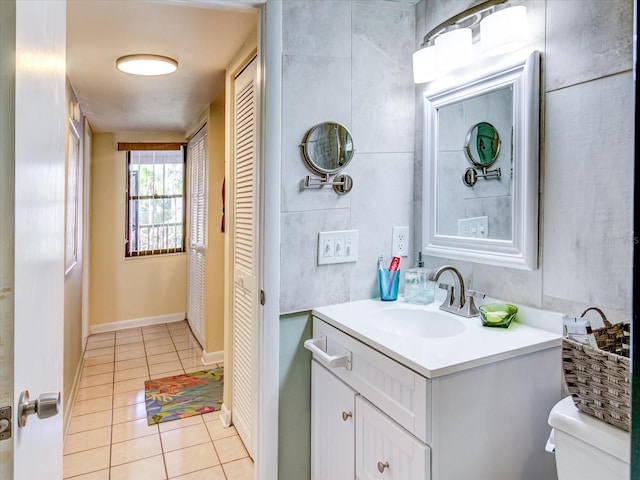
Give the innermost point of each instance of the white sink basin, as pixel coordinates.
(416, 323)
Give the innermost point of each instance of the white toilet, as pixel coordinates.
(585, 447)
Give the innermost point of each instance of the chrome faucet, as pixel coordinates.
(458, 301)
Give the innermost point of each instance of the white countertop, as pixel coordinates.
(477, 345)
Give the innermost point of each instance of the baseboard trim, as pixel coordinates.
(225, 416)
(70, 402)
(137, 322)
(209, 358)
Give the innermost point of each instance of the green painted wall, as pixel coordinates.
(294, 419)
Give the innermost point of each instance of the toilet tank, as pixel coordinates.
(587, 448)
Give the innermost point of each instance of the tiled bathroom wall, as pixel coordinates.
(345, 61)
(586, 164)
(350, 61)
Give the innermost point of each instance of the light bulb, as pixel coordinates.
(504, 31)
(453, 49)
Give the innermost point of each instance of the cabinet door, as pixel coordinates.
(385, 450)
(332, 426)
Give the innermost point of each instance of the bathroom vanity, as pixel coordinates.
(409, 392)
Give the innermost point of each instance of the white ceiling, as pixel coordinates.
(202, 40)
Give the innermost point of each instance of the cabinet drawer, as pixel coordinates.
(386, 451)
(400, 392)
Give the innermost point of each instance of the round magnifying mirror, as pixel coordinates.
(482, 145)
(328, 147)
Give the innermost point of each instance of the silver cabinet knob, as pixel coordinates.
(382, 466)
(45, 406)
(346, 416)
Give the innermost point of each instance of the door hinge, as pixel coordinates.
(5, 423)
(261, 297)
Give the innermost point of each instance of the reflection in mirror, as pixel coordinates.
(488, 113)
(486, 116)
(482, 145)
(327, 147)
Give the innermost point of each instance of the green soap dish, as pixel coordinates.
(497, 314)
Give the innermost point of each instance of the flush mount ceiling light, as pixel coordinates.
(499, 26)
(146, 64)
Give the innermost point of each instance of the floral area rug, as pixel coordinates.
(182, 396)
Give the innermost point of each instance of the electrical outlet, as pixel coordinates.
(337, 247)
(400, 241)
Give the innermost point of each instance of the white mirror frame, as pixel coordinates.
(522, 250)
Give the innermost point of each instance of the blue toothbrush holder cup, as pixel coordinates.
(388, 282)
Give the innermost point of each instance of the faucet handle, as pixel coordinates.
(471, 309)
(475, 294)
(450, 293)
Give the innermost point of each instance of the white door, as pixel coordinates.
(40, 113)
(385, 450)
(332, 426)
(245, 256)
(196, 305)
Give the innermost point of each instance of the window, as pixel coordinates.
(155, 200)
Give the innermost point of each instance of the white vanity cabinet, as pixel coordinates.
(375, 418)
(332, 421)
(352, 437)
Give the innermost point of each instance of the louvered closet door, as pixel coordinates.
(245, 285)
(197, 234)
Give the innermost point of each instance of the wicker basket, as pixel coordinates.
(598, 379)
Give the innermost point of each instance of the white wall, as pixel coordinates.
(349, 62)
(586, 164)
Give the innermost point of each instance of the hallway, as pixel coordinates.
(108, 436)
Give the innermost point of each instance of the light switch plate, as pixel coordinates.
(337, 247)
(476, 227)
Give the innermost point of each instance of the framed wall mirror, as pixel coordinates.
(481, 161)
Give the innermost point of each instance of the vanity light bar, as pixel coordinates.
(466, 19)
(448, 46)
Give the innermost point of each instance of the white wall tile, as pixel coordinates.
(510, 284)
(381, 200)
(589, 192)
(304, 284)
(587, 39)
(315, 90)
(321, 83)
(316, 28)
(382, 79)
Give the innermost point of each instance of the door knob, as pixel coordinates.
(346, 416)
(45, 406)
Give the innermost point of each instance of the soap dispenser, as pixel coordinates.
(417, 286)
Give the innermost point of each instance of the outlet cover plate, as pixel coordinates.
(337, 247)
(400, 241)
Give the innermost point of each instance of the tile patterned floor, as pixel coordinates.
(108, 436)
